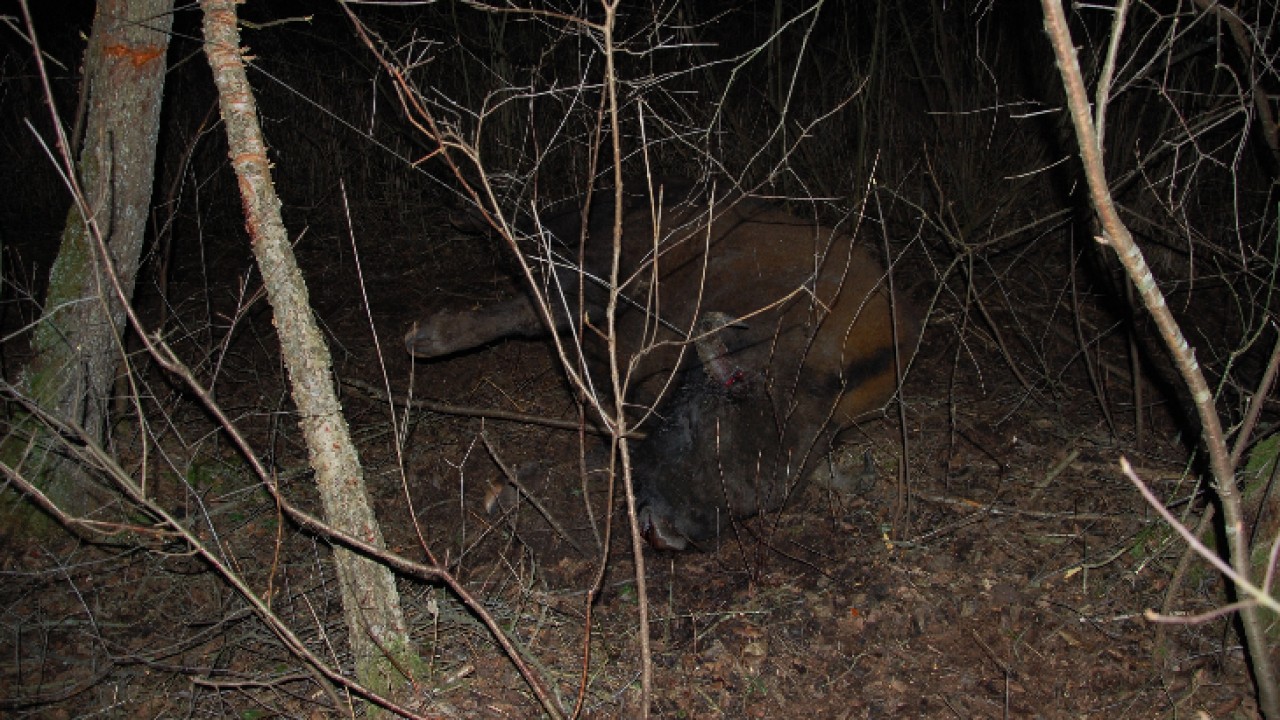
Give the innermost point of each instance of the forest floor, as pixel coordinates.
(1002, 570)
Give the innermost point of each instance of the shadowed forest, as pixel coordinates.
(347, 368)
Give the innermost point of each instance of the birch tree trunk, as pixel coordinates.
(78, 343)
(381, 651)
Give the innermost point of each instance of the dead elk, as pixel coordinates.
(800, 336)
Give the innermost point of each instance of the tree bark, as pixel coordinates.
(77, 346)
(382, 654)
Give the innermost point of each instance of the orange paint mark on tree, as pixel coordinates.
(139, 56)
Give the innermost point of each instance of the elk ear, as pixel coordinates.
(713, 351)
(659, 532)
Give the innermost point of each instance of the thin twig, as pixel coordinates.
(514, 479)
(442, 408)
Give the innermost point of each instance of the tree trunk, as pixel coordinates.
(381, 650)
(77, 345)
